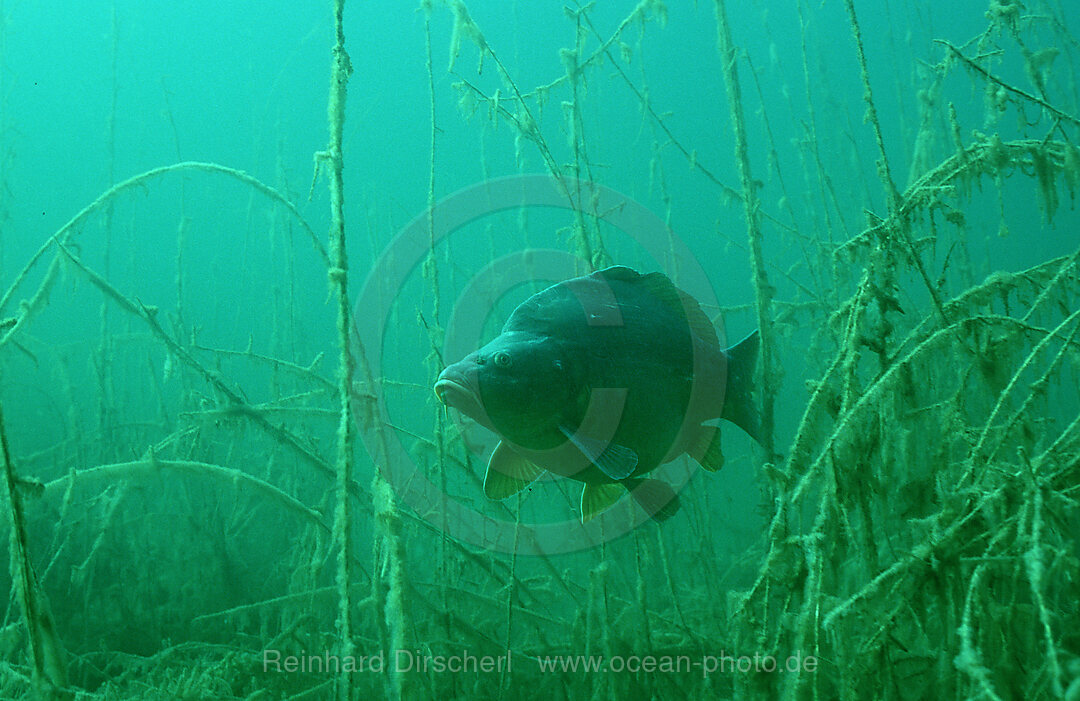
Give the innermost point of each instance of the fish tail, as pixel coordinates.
(739, 406)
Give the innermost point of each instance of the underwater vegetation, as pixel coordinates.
(225, 477)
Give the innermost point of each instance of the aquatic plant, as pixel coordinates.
(198, 502)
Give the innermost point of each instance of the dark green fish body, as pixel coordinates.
(601, 379)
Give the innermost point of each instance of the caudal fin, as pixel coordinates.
(739, 406)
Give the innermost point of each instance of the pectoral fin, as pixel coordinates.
(616, 461)
(508, 473)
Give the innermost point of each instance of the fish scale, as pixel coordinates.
(601, 379)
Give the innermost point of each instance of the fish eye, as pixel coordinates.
(502, 359)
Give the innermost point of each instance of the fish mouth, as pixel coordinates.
(460, 396)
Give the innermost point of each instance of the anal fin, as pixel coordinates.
(709, 453)
(657, 498)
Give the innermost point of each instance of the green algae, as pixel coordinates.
(918, 523)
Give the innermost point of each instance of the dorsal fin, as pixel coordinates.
(678, 302)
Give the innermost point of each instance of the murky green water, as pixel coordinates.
(886, 191)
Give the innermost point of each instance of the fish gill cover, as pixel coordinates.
(239, 242)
